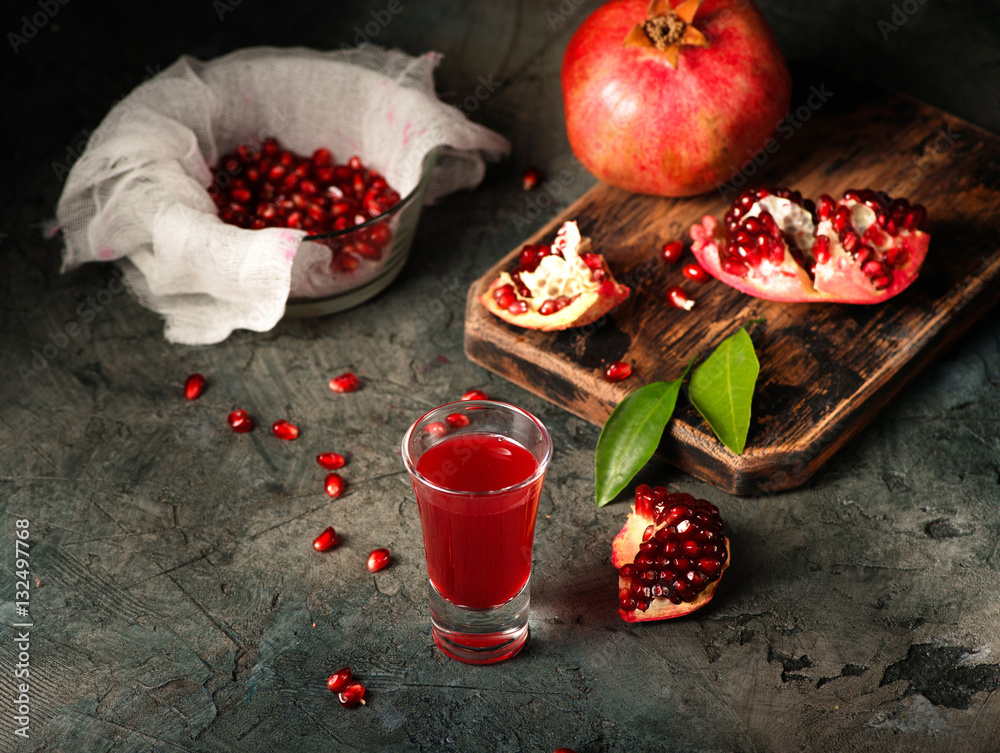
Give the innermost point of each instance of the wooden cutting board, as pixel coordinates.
(826, 369)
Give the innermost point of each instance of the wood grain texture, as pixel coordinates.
(826, 369)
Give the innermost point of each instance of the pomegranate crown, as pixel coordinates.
(667, 29)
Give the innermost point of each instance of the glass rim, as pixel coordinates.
(543, 463)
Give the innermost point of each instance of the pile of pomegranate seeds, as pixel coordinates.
(616, 371)
(270, 186)
(378, 559)
(326, 540)
(346, 382)
(194, 386)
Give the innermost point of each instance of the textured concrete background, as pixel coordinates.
(177, 604)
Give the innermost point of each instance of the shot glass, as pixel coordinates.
(477, 468)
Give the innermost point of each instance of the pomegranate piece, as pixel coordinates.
(339, 680)
(670, 555)
(351, 696)
(531, 177)
(616, 371)
(555, 287)
(334, 484)
(239, 421)
(346, 382)
(672, 252)
(330, 460)
(283, 429)
(378, 559)
(677, 298)
(457, 420)
(773, 244)
(474, 395)
(326, 540)
(696, 273)
(194, 386)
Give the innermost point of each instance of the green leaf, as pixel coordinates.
(721, 389)
(631, 435)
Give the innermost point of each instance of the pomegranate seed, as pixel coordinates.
(531, 178)
(564, 750)
(322, 157)
(346, 382)
(239, 421)
(436, 429)
(346, 263)
(679, 299)
(378, 559)
(457, 420)
(518, 307)
(334, 484)
(194, 386)
(352, 695)
(672, 252)
(474, 395)
(340, 679)
(283, 429)
(330, 460)
(695, 272)
(326, 540)
(617, 371)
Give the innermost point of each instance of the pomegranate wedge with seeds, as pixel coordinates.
(670, 555)
(773, 244)
(555, 287)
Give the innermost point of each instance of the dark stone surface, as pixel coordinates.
(176, 602)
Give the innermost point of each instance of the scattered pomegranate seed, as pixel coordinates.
(283, 429)
(677, 297)
(330, 460)
(352, 695)
(695, 272)
(194, 386)
(340, 679)
(346, 382)
(436, 428)
(334, 484)
(326, 540)
(617, 371)
(239, 421)
(474, 395)
(531, 178)
(378, 559)
(457, 420)
(564, 750)
(672, 252)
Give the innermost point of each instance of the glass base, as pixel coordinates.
(480, 636)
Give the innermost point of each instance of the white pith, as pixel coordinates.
(558, 277)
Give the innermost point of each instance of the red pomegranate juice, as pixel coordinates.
(478, 545)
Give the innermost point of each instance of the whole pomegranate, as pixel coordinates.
(670, 100)
(670, 555)
(773, 244)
